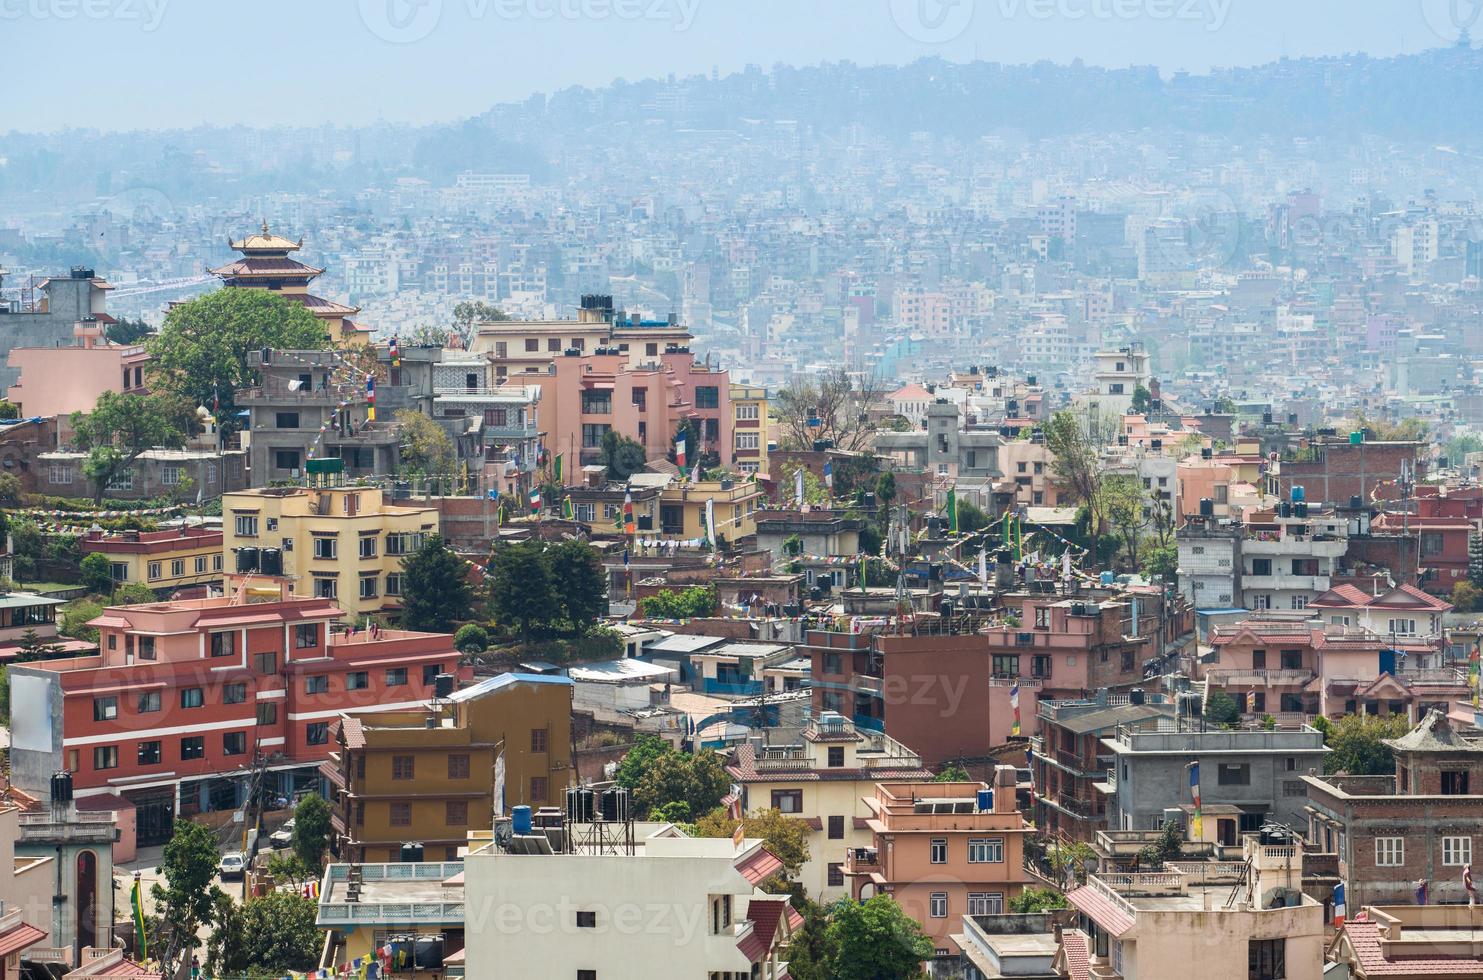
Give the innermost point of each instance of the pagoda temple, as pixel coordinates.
(267, 264)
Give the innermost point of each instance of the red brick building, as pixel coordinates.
(184, 698)
(1339, 469)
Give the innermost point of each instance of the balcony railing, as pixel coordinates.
(1258, 676)
(861, 860)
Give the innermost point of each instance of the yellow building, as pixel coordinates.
(823, 780)
(682, 508)
(266, 264)
(429, 775)
(344, 543)
(749, 429)
(162, 560)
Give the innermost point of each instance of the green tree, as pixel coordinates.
(1142, 400)
(1475, 559)
(286, 867)
(10, 490)
(9, 410)
(127, 332)
(1221, 709)
(583, 594)
(1033, 900)
(1161, 562)
(621, 455)
(1167, 848)
(186, 899)
(1076, 466)
(810, 955)
(1458, 447)
(695, 602)
(471, 638)
(523, 593)
(120, 428)
(698, 780)
(75, 618)
(637, 760)
(1122, 500)
(32, 647)
(1070, 861)
(133, 594)
(210, 348)
(435, 588)
(1357, 744)
(425, 335)
(953, 772)
(885, 488)
(971, 517)
(426, 448)
(876, 940)
(4, 697)
(1224, 405)
(97, 574)
(814, 491)
(470, 312)
(266, 936)
(786, 837)
(311, 829)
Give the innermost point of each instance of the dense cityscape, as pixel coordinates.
(835, 520)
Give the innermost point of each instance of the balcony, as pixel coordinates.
(1284, 582)
(1257, 677)
(862, 861)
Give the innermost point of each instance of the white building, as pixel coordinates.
(1116, 374)
(675, 906)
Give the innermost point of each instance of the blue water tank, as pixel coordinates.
(1297, 495)
(1107, 578)
(985, 800)
(522, 819)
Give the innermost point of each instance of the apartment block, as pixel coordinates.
(162, 560)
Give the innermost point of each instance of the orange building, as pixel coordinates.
(943, 851)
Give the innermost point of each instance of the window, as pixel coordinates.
(216, 561)
(592, 433)
(1266, 959)
(586, 920)
(985, 903)
(357, 680)
(430, 674)
(61, 474)
(1233, 774)
(538, 789)
(267, 713)
(985, 850)
(1042, 617)
(119, 571)
(155, 569)
(1390, 852)
(246, 525)
(122, 481)
(368, 546)
(105, 757)
(1404, 627)
(937, 907)
(368, 586)
(146, 648)
(1006, 665)
(234, 743)
(286, 459)
(746, 440)
(707, 396)
(1261, 566)
(149, 753)
(538, 740)
(192, 747)
(394, 584)
(787, 800)
(1294, 788)
(396, 676)
(306, 636)
(286, 420)
(326, 587)
(1040, 665)
(938, 850)
(1431, 543)
(458, 766)
(149, 701)
(200, 564)
(317, 684)
(746, 413)
(105, 709)
(192, 697)
(836, 874)
(836, 828)
(597, 402)
(401, 814)
(223, 644)
(1292, 659)
(234, 693)
(177, 567)
(532, 345)
(326, 547)
(403, 766)
(456, 813)
(265, 663)
(1457, 851)
(1300, 602)
(586, 975)
(1454, 782)
(317, 733)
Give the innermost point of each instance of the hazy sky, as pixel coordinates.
(124, 64)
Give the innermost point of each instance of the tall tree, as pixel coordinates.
(1358, 744)
(621, 455)
(311, 836)
(583, 593)
(810, 952)
(697, 780)
(127, 332)
(1121, 500)
(120, 428)
(267, 936)
(786, 837)
(426, 448)
(876, 940)
(471, 312)
(1076, 466)
(97, 573)
(186, 900)
(523, 593)
(832, 407)
(435, 588)
(210, 347)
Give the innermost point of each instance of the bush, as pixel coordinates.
(1221, 709)
(97, 576)
(471, 638)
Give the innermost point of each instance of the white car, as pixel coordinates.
(282, 837)
(232, 866)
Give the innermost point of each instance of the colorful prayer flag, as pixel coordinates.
(1197, 823)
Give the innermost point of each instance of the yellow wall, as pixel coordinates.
(139, 567)
(736, 509)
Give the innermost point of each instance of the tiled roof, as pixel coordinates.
(1343, 595)
(765, 914)
(19, 938)
(1074, 952)
(1364, 939)
(760, 865)
(258, 266)
(1101, 910)
(355, 733)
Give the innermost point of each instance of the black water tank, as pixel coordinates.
(61, 787)
(580, 804)
(270, 561)
(443, 685)
(247, 560)
(613, 805)
(412, 852)
(1135, 696)
(1207, 507)
(1356, 502)
(1284, 509)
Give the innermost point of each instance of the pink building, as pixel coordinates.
(584, 396)
(57, 381)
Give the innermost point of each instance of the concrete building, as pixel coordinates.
(155, 473)
(426, 773)
(70, 379)
(944, 446)
(26, 612)
(409, 906)
(1407, 942)
(184, 698)
(1239, 920)
(823, 533)
(823, 780)
(943, 851)
(518, 347)
(1116, 375)
(1259, 771)
(749, 429)
(345, 544)
(690, 904)
(66, 301)
(162, 560)
(733, 505)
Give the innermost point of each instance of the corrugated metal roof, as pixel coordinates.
(499, 683)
